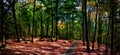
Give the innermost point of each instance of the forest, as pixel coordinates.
(59, 27)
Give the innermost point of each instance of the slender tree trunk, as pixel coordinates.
(83, 32)
(86, 26)
(47, 27)
(72, 28)
(83, 26)
(20, 24)
(2, 25)
(67, 27)
(57, 1)
(29, 30)
(15, 20)
(108, 32)
(33, 26)
(52, 21)
(99, 31)
(95, 24)
(41, 28)
(112, 16)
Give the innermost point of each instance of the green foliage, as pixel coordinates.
(46, 10)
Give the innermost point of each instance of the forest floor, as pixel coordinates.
(60, 47)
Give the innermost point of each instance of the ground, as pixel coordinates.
(60, 47)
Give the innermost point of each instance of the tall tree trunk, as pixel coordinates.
(83, 32)
(95, 24)
(72, 28)
(67, 27)
(2, 25)
(47, 28)
(108, 32)
(99, 31)
(52, 20)
(86, 26)
(29, 32)
(15, 20)
(83, 26)
(112, 16)
(57, 1)
(41, 27)
(33, 26)
(20, 24)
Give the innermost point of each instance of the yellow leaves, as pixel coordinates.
(61, 25)
(91, 3)
(31, 1)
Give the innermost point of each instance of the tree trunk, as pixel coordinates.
(15, 20)
(83, 27)
(99, 31)
(52, 20)
(56, 20)
(95, 24)
(86, 26)
(20, 24)
(112, 16)
(2, 25)
(67, 27)
(47, 27)
(33, 27)
(108, 32)
(41, 28)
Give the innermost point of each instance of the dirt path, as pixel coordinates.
(71, 50)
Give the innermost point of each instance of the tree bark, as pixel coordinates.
(47, 27)
(112, 16)
(86, 26)
(2, 25)
(15, 20)
(41, 27)
(95, 24)
(99, 31)
(33, 26)
(83, 26)
(57, 1)
(52, 20)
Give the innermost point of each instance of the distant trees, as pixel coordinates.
(53, 18)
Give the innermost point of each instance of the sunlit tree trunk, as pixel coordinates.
(86, 26)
